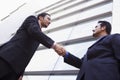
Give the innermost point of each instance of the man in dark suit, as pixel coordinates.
(102, 60)
(18, 51)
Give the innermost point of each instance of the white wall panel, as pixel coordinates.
(85, 29)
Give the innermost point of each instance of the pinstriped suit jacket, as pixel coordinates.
(18, 51)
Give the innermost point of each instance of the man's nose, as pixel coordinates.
(49, 22)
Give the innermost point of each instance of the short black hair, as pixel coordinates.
(42, 14)
(107, 25)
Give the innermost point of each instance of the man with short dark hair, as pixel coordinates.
(102, 60)
(18, 51)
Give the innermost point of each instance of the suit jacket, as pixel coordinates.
(18, 51)
(101, 61)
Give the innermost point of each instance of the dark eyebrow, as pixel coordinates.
(49, 18)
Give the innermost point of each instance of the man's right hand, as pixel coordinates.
(59, 49)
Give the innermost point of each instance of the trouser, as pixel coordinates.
(6, 72)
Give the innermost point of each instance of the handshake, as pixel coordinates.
(59, 49)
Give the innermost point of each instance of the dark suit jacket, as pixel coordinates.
(101, 61)
(18, 51)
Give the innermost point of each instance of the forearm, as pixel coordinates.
(72, 60)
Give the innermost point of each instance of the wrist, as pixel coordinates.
(66, 54)
(54, 45)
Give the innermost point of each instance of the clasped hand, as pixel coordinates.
(59, 49)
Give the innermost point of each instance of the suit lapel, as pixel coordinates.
(97, 41)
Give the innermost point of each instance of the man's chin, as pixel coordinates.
(94, 35)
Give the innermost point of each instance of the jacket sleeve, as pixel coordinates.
(34, 31)
(116, 46)
(73, 60)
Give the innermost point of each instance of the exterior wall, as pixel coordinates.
(115, 17)
(72, 20)
(72, 24)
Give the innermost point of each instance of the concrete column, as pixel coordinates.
(116, 16)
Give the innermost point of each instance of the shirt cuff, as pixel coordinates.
(66, 55)
(53, 46)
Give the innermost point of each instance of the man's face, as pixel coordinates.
(45, 21)
(97, 31)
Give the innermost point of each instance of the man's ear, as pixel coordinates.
(40, 18)
(103, 28)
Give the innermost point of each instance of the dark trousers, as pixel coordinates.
(6, 72)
